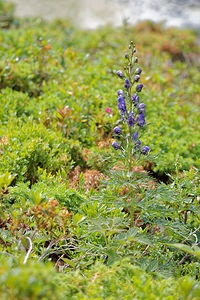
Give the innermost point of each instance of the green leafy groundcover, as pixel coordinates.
(75, 222)
(121, 281)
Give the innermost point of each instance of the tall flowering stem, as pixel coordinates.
(132, 110)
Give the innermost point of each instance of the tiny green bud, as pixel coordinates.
(127, 56)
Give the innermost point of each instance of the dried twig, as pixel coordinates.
(51, 244)
(191, 235)
(29, 250)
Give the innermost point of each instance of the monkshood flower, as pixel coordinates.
(117, 130)
(122, 105)
(139, 87)
(120, 74)
(115, 145)
(145, 150)
(135, 98)
(137, 78)
(127, 84)
(130, 120)
(138, 71)
(141, 120)
(131, 110)
(120, 93)
(137, 144)
(141, 108)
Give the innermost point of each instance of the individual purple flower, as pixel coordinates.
(141, 120)
(120, 93)
(120, 74)
(141, 108)
(122, 105)
(135, 98)
(145, 150)
(115, 145)
(137, 144)
(139, 87)
(137, 78)
(127, 84)
(135, 136)
(117, 130)
(130, 120)
(138, 71)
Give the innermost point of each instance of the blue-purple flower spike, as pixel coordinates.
(131, 110)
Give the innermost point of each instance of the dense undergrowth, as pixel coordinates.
(74, 223)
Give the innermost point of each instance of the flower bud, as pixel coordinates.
(145, 150)
(127, 56)
(141, 108)
(137, 78)
(117, 130)
(136, 60)
(115, 145)
(135, 98)
(130, 120)
(127, 84)
(141, 120)
(120, 74)
(139, 87)
(120, 93)
(138, 71)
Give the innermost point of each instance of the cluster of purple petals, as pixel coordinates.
(130, 120)
(139, 87)
(137, 144)
(141, 108)
(145, 150)
(135, 99)
(126, 84)
(115, 145)
(137, 78)
(122, 105)
(120, 93)
(141, 120)
(120, 74)
(117, 130)
(138, 71)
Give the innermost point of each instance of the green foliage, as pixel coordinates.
(132, 236)
(121, 281)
